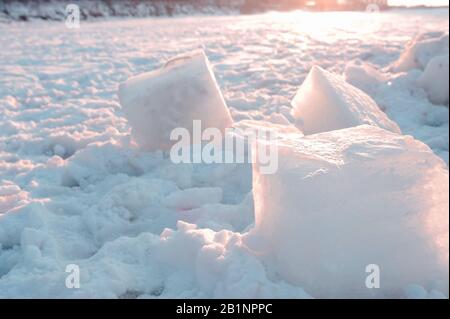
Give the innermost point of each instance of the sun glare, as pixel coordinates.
(327, 24)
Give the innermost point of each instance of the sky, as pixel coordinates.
(419, 2)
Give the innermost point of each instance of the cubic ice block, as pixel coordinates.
(346, 199)
(184, 90)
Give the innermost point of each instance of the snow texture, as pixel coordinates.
(364, 76)
(325, 102)
(434, 79)
(421, 50)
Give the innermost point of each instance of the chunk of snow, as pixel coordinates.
(124, 208)
(434, 79)
(193, 198)
(349, 198)
(11, 196)
(421, 50)
(184, 90)
(221, 265)
(325, 102)
(363, 76)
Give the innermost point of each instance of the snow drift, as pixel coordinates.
(434, 79)
(346, 199)
(420, 50)
(184, 90)
(363, 76)
(428, 52)
(325, 102)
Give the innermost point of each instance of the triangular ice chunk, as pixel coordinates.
(325, 102)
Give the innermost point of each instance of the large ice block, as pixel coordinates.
(325, 102)
(184, 90)
(344, 200)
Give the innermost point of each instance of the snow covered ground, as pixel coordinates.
(75, 189)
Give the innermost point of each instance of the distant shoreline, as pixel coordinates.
(418, 7)
(91, 10)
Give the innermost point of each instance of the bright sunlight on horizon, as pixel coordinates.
(418, 2)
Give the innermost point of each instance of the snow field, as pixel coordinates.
(76, 189)
(344, 199)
